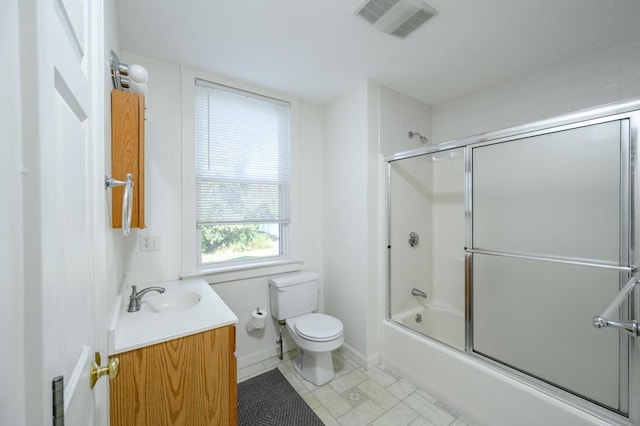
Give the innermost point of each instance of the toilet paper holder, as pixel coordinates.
(257, 321)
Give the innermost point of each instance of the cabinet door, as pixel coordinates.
(186, 381)
(127, 153)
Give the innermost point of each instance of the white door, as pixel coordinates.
(12, 398)
(61, 195)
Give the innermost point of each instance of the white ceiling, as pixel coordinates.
(319, 49)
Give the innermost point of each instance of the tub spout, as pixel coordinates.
(417, 292)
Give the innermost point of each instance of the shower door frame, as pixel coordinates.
(630, 227)
(629, 391)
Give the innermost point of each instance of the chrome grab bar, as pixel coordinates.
(602, 320)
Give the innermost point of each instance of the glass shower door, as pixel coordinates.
(550, 242)
(426, 221)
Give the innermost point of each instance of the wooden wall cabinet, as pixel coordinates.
(186, 381)
(127, 153)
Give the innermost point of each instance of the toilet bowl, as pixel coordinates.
(315, 335)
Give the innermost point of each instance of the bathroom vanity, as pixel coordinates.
(177, 361)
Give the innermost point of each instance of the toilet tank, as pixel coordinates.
(293, 294)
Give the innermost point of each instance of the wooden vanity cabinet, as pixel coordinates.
(127, 153)
(185, 381)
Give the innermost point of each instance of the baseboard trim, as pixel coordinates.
(365, 362)
(263, 354)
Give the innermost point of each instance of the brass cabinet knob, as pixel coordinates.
(111, 369)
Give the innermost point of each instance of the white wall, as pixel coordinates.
(310, 189)
(375, 224)
(163, 190)
(163, 177)
(345, 225)
(603, 74)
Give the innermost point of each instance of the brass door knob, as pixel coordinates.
(111, 369)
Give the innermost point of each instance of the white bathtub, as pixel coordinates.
(481, 392)
(436, 322)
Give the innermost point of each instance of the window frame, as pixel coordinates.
(236, 269)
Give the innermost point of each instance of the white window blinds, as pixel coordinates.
(242, 157)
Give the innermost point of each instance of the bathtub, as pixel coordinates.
(437, 322)
(483, 393)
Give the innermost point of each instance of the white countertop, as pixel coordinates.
(133, 330)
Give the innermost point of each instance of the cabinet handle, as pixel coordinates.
(127, 205)
(127, 199)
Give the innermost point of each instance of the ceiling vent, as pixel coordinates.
(396, 17)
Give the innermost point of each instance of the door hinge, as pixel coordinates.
(58, 401)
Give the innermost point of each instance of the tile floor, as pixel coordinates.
(359, 397)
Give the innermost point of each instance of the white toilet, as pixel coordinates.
(294, 297)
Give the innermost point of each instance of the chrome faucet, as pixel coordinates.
(417, 292)
(135, 298)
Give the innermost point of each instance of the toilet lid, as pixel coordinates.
(318, 327)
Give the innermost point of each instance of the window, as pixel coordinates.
(242, 175)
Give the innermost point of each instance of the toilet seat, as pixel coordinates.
(318, 327)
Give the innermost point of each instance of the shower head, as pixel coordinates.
(423, 139)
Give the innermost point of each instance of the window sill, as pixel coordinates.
(221, 274)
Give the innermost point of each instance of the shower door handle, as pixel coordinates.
(632, 326)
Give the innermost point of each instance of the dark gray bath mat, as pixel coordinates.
(268, 399)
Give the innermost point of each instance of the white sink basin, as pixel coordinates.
(186, 307)
(171, 301)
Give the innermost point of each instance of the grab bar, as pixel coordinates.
(602, 320)
(554, 259)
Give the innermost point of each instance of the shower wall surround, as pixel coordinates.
(604, 74)
(398, 114)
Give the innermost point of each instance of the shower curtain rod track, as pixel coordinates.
(567, 261)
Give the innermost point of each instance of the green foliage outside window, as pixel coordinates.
(235, 238)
